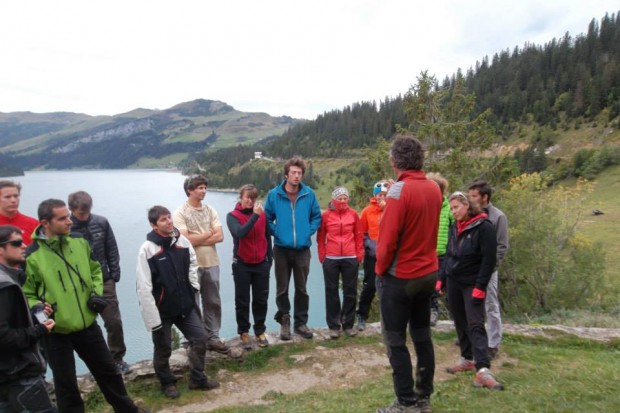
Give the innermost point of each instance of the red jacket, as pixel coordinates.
(24, 222)
(251, 238)
(407, 242)
(340, 234)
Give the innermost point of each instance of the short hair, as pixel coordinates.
(251, 189)
(407, 153)
(80, 201)
(46, 208)
(155, 212)
(473, 207)
(439, 180)
(483, 188)
(6, 231)
(5, 183)
(193, 182)
(295, 161)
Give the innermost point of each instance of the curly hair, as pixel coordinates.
(407, 153)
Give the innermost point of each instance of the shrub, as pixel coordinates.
(549, 265)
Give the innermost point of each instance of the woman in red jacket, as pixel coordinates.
(341, 250)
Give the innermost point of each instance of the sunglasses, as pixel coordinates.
(14, 243)
(458, 194)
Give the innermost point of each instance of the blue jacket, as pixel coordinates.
(292, 225)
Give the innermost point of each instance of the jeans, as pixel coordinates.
(297, 261)
(406, 302)
(192, 328)
(254, 278)
(369, 289)
(209, 279)
(91, 347)
(493, 312)
(113, 322)
(468, 319)
(340, 315)
(25, 395)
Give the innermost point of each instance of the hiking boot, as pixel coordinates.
(218, 346)
(484, 378)
(122, 367)
(493, 352)
(285, 327)
(334, 334)
(396, 407)
(304, 331)
(464, 365)
(262, 340)
(361, 323)
(208, 384)
(246, 343)
(434, 317)
(349, 332)
(170, 391)
(423, 405)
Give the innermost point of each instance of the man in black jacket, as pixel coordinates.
(97, 230)
(22, 387)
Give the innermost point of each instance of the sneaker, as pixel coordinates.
(334, 334)
(208, 384)
(170, 391)
(262, 340)
(246, 343)
(396, 407)
(484, 378)
(434, 317)
(361, 323)
(349, 332)
(423, 405)
(493, 352)
(304, 331)
(464, 365)
(285, 327)
(218, 346)
(122, 367)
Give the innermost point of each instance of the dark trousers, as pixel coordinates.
(435, 296)
(252, 278)
(289, 260)
(369, 288)
(194, 331)
(340, 315)
(469, 323)
(91, 347)
(406, 302)
(25, 395)
(113, 322)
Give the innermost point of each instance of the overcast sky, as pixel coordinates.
(289, 57)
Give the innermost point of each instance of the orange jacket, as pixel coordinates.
(370, 219)
(340, 234)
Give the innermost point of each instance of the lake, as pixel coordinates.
(124, 197)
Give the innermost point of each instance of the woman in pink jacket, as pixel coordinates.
(341, 249)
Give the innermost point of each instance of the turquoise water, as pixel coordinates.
(124, 196)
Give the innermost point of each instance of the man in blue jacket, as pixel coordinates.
(293, 214)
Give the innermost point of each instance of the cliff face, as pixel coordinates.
(64, 140)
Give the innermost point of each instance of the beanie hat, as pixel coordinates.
(339, 190)
(381, 186)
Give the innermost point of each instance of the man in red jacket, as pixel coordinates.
(9, 210)
(406, 274)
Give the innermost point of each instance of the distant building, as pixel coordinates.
(258, 155)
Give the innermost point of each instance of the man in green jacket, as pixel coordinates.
(61, 272)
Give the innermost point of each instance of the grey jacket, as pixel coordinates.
(500, 222)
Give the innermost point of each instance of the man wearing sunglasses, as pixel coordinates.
(22, 387)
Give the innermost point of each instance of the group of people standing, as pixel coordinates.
(415, 243)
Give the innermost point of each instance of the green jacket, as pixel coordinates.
(445, 220)
(66, 283)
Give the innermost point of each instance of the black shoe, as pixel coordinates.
(208, 384)
(304, 331)
(361, 323)
(170, 391)
(493, 353)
